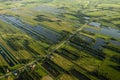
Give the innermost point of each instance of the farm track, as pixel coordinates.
(46, 56)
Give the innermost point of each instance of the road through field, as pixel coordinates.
(65, 41)
(46, 56)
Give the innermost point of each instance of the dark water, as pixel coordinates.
(87, 39)
(47, 33)
(115, 42)
(99, 43)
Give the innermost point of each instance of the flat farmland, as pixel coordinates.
(59, 39)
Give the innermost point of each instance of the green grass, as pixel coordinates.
(105, 12)
(62, 62)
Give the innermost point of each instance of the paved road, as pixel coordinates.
(52, 52)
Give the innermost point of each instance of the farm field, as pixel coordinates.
(59, 39)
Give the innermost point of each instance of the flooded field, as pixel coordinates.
(115, 42)
(108, 31)
(87, 39)
(99, 43)
(38, 32)
(59, 39)
(10, 59)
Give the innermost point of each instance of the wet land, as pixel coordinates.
(59, 40)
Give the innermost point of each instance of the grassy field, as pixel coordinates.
(31, 29)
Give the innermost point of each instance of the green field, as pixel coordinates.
(59, 39)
